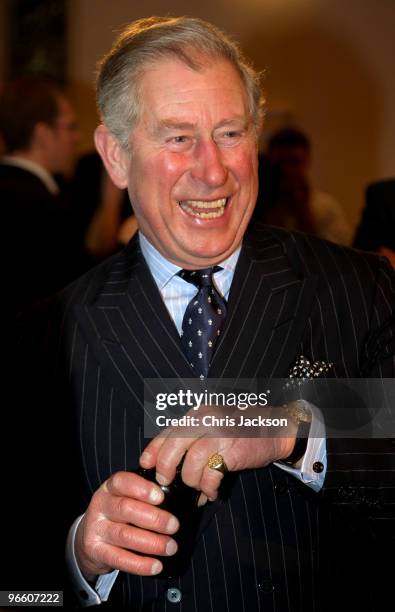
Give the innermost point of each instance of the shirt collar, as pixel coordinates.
(39, 171)
(163, 270)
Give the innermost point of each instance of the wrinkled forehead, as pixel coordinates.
(173, 84)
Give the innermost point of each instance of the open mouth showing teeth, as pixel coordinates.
(204, 210)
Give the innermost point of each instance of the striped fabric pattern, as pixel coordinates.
(270, 546)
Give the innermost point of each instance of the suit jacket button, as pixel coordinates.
(318, 467)
(266, 585)
(173, 595)
(281, 487)
(348, 493)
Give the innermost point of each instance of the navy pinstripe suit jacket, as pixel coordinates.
(274, 545)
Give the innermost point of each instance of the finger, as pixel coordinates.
(196, 459)
(126, 561)
(135, 539)
(195, 470)
(210, 482)
(169, 455)
(150, 453)
(202, 501)
(127, 484)
(143, 515)
(104, 487)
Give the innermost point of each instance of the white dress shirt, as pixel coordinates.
(39, 171)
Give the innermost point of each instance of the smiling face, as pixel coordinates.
(192, 172)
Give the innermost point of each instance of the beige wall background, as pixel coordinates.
(329, 65)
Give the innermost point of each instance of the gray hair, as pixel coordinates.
(147, 40)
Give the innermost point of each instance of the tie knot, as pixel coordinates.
(199, 278)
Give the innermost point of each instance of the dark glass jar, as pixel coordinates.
(182, 501)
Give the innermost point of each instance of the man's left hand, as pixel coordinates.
(166, 451)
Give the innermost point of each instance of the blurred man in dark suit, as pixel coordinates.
(38, 128)
(376, 232)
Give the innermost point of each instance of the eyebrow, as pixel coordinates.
(245, 120)
(173, 124)
(176, 124)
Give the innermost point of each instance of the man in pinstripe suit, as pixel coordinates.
(181, 110)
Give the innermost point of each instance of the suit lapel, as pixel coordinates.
(270, 301)
(130, 330)
(269, 304)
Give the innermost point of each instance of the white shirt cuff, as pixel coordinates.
(86, 594)
(315, 452)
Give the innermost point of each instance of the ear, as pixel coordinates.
(41, 134)
(115, 158)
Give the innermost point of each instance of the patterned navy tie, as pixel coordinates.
(203, 319)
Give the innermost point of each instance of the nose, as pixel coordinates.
(208, 166)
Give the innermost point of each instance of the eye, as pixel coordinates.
(232, 134)
(179, 139)
(229, 138)
(181, 142)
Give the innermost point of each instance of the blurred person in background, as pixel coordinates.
(39, 133)
(104, 212)
(287, 197)
(376, 231)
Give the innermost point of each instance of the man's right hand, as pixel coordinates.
(122, 517)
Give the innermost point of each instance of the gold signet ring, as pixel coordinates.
(216, 462)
